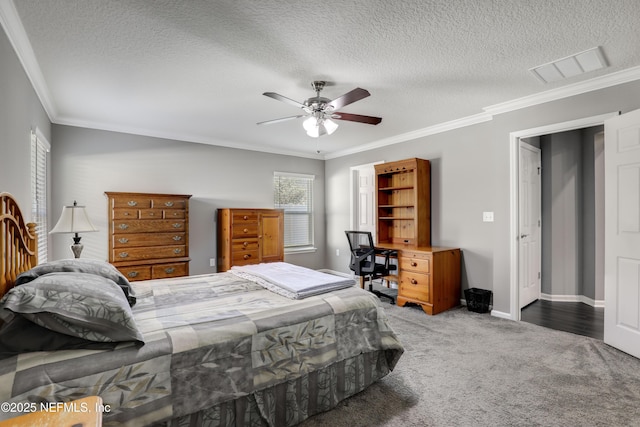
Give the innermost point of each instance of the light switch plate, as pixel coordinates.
(487, 216)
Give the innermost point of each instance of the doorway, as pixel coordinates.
(571, 293)
(566, 293)
(363, 198)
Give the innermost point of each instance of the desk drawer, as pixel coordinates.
(415, 286)
(413, 263)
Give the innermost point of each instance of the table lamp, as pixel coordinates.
(74, 219)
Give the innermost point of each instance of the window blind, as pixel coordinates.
(294, 194)
(39, 149)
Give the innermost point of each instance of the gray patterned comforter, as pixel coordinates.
(209, 339)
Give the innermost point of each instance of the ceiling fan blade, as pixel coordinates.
(284, 99)
(355, 95)
(370, 120)
(283, 119)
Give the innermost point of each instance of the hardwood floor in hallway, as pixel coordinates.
(574, 317)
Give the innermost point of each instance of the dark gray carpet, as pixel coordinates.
(468, 369)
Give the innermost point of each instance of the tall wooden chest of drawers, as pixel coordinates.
(149, 234)
(249, 236)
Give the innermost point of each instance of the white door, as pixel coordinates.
(529, 196)
(365, 215)
(622, 233)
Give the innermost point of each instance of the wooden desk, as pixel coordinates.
(428, 276)
(86, 412)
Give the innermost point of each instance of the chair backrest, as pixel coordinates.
(359, 240)
(363, 256)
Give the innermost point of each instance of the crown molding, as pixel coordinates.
(602, 82)
(12, 25)
(408, 136)
(196, 139)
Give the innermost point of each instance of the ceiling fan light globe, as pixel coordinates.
(330, 126)
(310, 124)
(314, 133)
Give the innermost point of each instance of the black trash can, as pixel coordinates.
(478, 300)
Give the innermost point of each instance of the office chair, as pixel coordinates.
(363, 260)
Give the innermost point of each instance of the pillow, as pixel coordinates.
(77, 304)
(90, 266)
(20, 335)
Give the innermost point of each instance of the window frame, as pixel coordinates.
(39, 157)
(310, 245)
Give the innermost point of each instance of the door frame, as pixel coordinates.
(514, 155)
(523, 145)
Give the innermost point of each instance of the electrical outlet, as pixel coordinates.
(212, 262)
(487, 216)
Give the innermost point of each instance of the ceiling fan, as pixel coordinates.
(320, 111)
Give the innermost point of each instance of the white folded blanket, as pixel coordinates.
(291, 281)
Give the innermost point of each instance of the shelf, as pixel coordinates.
(394, 218)
(395, 206)
(401, 187)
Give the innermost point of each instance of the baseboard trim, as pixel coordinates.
(501, 314)
(572, 298)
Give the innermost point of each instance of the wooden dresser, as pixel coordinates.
(249, 236)
(428, 276)
(149, 234)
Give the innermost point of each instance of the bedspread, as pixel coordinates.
(208, 339)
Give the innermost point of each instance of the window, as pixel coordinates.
(39, 149)
(294, 193)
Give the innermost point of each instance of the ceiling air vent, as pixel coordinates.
(583, 62)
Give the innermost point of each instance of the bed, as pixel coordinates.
(217, 350)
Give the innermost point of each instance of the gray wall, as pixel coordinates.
(20, 111)
(86, 163)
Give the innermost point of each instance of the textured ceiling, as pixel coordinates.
(196, 70)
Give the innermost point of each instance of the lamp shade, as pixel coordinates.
(317, 127)
(73, 219)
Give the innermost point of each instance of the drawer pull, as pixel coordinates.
(414, 264)
(127, 214)
(152, 213)
(177, 251)
(177, 238)
(414, 281)
(245, 244)
(132, 203)
(246, 230)
(132, 274)
(245, 217)
(177, 225)
(168, 204)
(123, 240)
(169, 270)
(247, 256)
(123, 254)
(123, 226)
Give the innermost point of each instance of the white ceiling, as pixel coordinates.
(196, 70)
